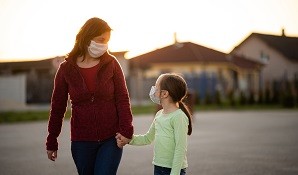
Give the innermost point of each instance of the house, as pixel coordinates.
(31, 82)
(278, 53)
(38, 78)
(205, 70)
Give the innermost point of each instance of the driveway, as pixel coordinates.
(222, 143)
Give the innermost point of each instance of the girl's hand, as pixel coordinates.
(52, 155)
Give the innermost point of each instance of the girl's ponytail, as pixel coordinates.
(185, 109)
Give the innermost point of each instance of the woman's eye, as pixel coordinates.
(100, 40)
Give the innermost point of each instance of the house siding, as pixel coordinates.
(202, 78)
(278, 66)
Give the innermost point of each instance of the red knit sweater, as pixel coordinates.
(95, 116)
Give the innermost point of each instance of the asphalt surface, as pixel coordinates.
(222, 143)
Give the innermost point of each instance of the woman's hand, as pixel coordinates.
(52, 155)
(121, 140)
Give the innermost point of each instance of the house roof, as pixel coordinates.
(243, 62)
(288, 46)
(189, 52)
(180, 52)
(39, 64)
(23, 65)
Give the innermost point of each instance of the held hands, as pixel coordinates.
(121, 140)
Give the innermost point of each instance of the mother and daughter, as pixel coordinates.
(101, 121)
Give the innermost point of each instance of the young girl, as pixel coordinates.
(170, 126)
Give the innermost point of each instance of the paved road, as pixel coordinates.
(223, 143)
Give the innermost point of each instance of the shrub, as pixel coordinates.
(218, 98)
(288, 100)
(243, 99)
(261, 98)
(251, 98)
(231, 97)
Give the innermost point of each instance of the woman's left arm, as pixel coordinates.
(180, 124)
(122, 102)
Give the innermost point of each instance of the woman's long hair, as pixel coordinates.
(92, 28)
(177, 88)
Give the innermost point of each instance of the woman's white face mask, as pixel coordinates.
(97, 49)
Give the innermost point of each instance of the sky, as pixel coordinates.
(40, 29)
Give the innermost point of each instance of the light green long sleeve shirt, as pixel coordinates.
(169, 132)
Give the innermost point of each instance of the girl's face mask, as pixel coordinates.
(97, 49)
(152, 95)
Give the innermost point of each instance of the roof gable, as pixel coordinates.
(180, 52)
(190, 52)
(287, 46)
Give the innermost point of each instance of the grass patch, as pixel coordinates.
(26, 116)
(143, 109)
(241, 107)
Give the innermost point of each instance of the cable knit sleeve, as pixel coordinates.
(122, 102)
(58, 108)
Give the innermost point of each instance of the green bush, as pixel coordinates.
(231, 98)
(208, 99)
(218, 100)
(242, 100)
(267, 96)
(288, 100)
(261, 97)
(251, 98)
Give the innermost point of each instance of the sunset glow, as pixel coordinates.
(34, 29)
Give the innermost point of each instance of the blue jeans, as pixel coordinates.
(166, 171)
(96, 158)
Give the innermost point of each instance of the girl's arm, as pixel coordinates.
(180, 124)
(145, 139)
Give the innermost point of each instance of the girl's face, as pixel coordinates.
(160, 93)
(157, 86)
(103, 38)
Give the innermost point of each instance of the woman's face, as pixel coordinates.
(103, 38)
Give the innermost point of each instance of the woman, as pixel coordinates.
(94, 81)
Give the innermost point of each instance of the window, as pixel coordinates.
(264, 57)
